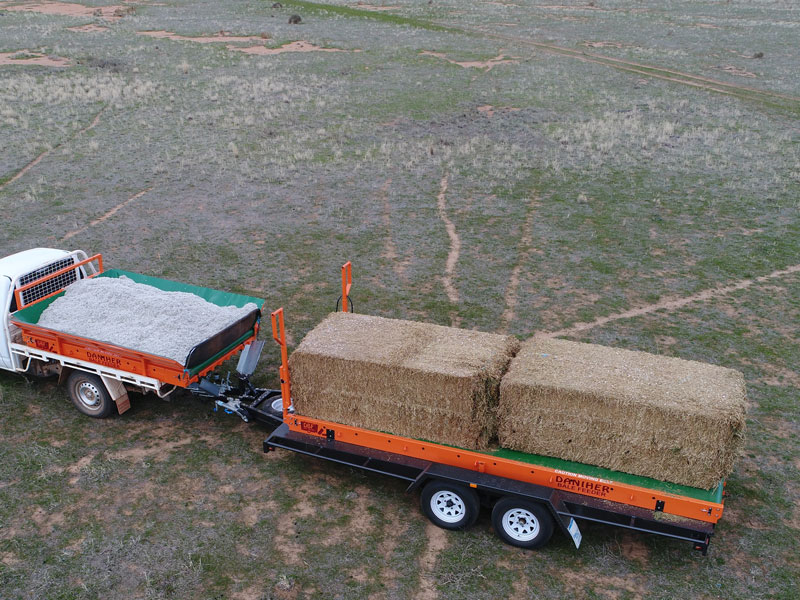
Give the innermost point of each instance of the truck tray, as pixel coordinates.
(203, 358)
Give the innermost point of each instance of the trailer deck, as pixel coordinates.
(564, 505)
(568, 490)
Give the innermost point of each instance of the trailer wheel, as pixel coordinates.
(449, 506)
(522, 523)
(89, 395)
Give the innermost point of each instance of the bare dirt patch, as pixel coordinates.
(46, 522)
(159, 443)
(75, 469)
(386, 548)
(738, 71)
(220, 38)
(489, 110)
(359, 525)
(299, 46)
(26, 57)
(10, 559)
(286, 536)
(603, 44)
(88, 28)
(69, 9)
(633, 548)
(251, 514)
(612, 587)
(363, 6)
(500, 59)
(437, 541)
(253, 592)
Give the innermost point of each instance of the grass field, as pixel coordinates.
(623, 172)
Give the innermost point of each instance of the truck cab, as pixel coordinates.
(20, 269)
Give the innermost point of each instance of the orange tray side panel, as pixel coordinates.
(167, 371)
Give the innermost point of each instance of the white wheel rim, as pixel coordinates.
(89, 395)
(448, 506)
(522, 525)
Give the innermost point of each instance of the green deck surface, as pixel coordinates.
(712, 495)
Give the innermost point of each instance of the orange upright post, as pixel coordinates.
(347, 282)
(279, 335)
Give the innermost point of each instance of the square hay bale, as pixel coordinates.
(412, 379)
(666, 418)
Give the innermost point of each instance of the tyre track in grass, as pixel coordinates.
(672, 303)
(525, 249)
(437, 542)
(390, 249)
(106, 215)
(41, 156)
(455, 250)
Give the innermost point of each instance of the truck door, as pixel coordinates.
(5, 303)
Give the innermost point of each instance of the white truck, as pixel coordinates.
(99, 374)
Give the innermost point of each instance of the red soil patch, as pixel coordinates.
(68, 9)
(500, 59)
(736, 71)
(25, 57)
(88, 28)
(489, 110)
(603, 44)
(220, 37)
(299, 46)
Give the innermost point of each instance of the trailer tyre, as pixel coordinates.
(450, 506)
(89, 395)
(522, 523)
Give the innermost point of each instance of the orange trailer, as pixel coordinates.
(529, 495)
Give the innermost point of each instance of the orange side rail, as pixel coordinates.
(614, 491)
(279, 335)
(27, 286)
(347, 283)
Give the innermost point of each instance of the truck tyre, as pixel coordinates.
(89, 395)
(522, 523)
(449, 505)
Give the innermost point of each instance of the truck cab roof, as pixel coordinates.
(24, 262)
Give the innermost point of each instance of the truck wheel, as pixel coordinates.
(449, 505)
(89, 395)
(522, 523)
